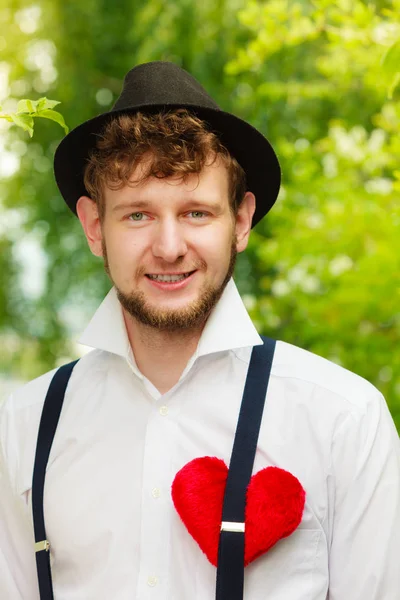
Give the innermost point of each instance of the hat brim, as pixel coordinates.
(250, 148)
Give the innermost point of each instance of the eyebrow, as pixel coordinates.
(135, 204)
(143, 204)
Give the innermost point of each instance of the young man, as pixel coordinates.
(167, 188)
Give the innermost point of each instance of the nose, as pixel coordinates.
(169, 242)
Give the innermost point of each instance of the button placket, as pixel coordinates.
(156, 503)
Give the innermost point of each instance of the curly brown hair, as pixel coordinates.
(177, 142)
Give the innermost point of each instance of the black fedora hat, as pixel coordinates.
(161, 86)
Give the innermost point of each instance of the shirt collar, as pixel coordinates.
(228, 326)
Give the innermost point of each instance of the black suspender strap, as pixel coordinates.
(47, 427)
(230, 570)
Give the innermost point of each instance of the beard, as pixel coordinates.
(192, 316)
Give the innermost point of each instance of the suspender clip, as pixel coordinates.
(232, 526)
(43, 545)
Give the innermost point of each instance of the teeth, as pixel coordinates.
(169, 277)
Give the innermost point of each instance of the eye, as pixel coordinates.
(197, 214)
(137, 216)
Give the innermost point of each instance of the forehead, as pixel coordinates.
(211, 184)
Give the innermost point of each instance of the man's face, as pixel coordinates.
(169, 246)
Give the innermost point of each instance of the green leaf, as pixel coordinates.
(391, 58)
(26, 106)
(33, 106)
(393, 85)
(44, 104)
(23, 121)
(53, 115)
(390, 62)
(391, 55)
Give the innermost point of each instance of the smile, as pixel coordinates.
(169, 278)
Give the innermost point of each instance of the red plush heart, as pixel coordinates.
(274, 506)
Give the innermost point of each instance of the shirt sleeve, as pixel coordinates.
(18, 579)
(365, 539)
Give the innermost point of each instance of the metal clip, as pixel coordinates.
(232, 526)
(43, 545)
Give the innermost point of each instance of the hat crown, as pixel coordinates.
(162, 83)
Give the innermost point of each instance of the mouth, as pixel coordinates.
(170, 281)
(169, 278)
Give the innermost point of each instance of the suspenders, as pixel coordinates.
(230, 571)
(47, 428)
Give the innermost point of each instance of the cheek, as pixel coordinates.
(216, 249)
(123, 250)
(122, 242)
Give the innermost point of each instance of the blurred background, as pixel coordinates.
(321, 79)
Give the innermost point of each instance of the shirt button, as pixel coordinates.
(163, 411)
(156, 492)
(152, 581)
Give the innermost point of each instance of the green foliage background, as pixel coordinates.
(319, 78)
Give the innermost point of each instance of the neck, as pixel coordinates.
(161, 356)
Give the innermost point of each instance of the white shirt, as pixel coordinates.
(110, 520)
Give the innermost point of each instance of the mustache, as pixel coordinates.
(198, 265)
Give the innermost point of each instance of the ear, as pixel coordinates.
(244, 218)
(89, 217)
